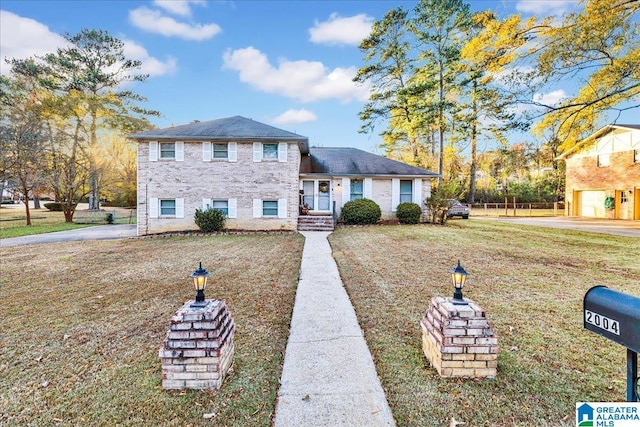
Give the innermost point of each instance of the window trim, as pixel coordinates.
(274, 155)
(352, 193)
(224, 210)
(402, 195)
(165, 215)
(274, 215)
(225, 151)
(161, 151)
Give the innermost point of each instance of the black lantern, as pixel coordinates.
(200, 282)
(458, 277)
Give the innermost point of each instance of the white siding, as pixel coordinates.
(417, 191)
(367, 188)
(346, 190)
(395, 194)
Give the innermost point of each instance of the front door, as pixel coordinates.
(317, 195)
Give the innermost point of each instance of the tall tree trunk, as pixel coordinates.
(441, 122)
(94, 190)
(25, 190)
(474, 144)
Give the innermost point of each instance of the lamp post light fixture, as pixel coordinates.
(200, 282)
(458, 277)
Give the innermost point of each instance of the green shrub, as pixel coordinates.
(409, 213)
(361, 211)
(54, 206)
(210, 220)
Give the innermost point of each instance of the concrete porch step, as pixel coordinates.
(315, 223)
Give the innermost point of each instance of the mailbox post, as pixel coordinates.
(616, 316)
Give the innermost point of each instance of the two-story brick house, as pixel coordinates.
(262, 177)
(603, 174)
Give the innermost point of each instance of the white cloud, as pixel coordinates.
(179, 7)
(338, 30)
(22, 38)
(155, 22)
(295, 116)
(551, 98)
(150, 65)
(545, 7)
(306, 81)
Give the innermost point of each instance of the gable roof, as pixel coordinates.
(597, 134)
(355, 162)
(229, 128)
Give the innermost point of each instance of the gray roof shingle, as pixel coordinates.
(236, 127)
(355, 162)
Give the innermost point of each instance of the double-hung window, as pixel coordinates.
(221, 205)
(406, 191)
(220, 151)
(167, 150)
(269, 208)
(357, 189)
(167, 207)
(270, 151)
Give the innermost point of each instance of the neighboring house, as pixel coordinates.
(603, 174)
(262, 177)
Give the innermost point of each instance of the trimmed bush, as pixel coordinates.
(360, 212)
(54, 206)
(408, 213)
(210, 220)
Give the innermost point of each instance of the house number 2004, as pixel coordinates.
(602, 322)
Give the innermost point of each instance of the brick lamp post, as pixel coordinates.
(198, 349)
(457, 337)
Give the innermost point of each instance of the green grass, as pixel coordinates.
(82, 324)
(530, 281)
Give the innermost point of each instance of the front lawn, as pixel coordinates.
(530, 281)
(82, 324)
(13, 219)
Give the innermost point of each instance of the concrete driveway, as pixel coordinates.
(611, 226)
(99, 232)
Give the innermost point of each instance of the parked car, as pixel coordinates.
(457, 209)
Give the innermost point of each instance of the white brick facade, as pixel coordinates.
(257, 173)
(194, 179)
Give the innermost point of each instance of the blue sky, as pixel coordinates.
(285, 63)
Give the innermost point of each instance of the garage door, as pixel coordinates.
(591, 203)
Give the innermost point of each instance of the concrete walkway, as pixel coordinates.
(328, 378)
